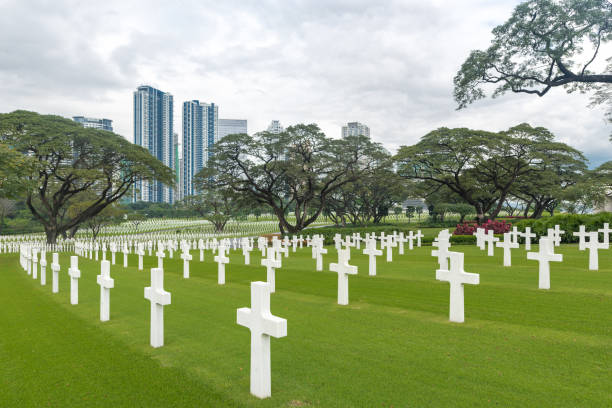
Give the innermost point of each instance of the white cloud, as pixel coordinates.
(388, 64)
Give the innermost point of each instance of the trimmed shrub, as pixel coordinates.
(328, 234)
(569, 223)
(498, 227)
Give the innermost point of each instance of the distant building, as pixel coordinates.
(103, 124)
(355, 129)
(178, 193)
(275, 127)
(418, 202)
(200, 133)
(154, 130)
(607, 204)
(231, 127)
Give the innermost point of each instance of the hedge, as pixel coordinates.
(328, 234)
(569, 223)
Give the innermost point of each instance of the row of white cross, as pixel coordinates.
(552, 239)
(259, 319)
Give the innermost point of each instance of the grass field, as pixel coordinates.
(391, 347)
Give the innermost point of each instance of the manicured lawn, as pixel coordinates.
(392, 346)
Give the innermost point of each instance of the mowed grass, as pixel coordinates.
(392, 346)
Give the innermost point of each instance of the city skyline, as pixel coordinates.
(200, 133)
(293, 62)
(154, 130)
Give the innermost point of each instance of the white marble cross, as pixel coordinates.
(558, 233)
(160, 255)
(480, 238)
(457, 277)
(201, 248)
(338, 241)
(442, 242)
(106, 283)
(391, 243)
(158, 298)
(544, 257)
(372, 253)
(262, 324)
(28, 257)
(343, 269)
(113, 249)
(43, 268)
(318, 250)
(418, 237)
(294, 243)
(55, 268)
(411, 237)
(221, 260)
(528, 235)
(515, 235)
(593, 245)
(246, 250)
(490, 239)
(581, 234)
(141, 252)
(508, 244)
(271, 263)
(186, 257)
(34, 263)
(606, 230)
(401, 239)
(126, 251)
(75, 274)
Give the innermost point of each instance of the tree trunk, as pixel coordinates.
(527, 207)
(51, 233)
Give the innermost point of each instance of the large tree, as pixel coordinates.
(482, 168)
(545, 44)
(71, 160)
(370, 196)
(445, 159)
(295, 170)
(216, 204)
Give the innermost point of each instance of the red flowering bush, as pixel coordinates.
(498, 227)
(465, 229)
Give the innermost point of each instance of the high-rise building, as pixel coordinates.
(104, 124)
(153, 130)
(200, 133)
(275, 127)
(231, 127)
(355, 129)
(178, 193)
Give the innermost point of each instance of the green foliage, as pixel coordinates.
(71, 164)
(482, 168)
(569, 223)
(561, 338)
(540, 47)
(328, 233)
(296, 170)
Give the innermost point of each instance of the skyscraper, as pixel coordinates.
(153, 130)
(355, 129)
(275, 127)
(231, 127)
(200, 133)
(104, 124)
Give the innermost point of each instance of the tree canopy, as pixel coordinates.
(544, 44)
(72, 163)
(295, 170)
(485, 168)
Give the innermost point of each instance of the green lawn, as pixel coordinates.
(391, 347)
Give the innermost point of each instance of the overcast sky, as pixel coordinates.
(388, 64)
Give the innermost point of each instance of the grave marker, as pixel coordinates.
(262, 325)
